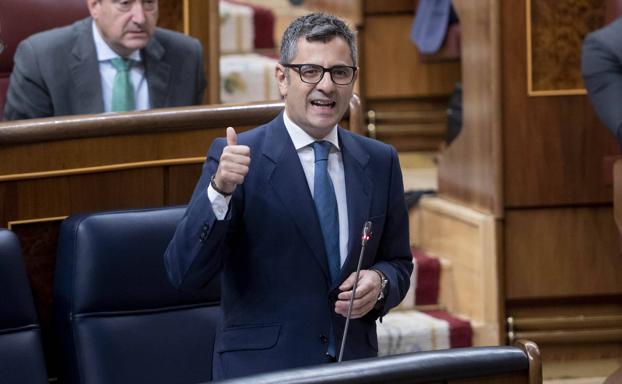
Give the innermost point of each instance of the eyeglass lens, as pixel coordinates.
(126, 5)
(313, 74)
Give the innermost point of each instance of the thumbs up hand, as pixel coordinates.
(234, 163)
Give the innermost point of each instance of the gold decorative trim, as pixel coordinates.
(186, 16)
(565, 92)
(530, 91)
(10, 224)
(102, 169)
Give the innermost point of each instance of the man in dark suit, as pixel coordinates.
(602, 73)
(71, 70)
(278, 213)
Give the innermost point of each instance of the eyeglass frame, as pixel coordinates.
(297, 68)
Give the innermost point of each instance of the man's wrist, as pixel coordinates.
(216, 188)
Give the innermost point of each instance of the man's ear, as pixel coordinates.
(93, 6)
(281, 79)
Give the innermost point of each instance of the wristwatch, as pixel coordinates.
(383, 285)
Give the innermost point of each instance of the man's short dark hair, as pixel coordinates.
(316, 27)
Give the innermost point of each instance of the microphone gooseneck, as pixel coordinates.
(364, 237)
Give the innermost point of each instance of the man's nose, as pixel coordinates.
(326, 84)
(138, 13)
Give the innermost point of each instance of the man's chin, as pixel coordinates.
(136, 42)
(326, 121)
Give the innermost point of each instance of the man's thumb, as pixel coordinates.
(232, 137)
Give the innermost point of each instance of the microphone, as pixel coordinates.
(364, 237)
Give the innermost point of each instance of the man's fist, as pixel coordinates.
(234, 163)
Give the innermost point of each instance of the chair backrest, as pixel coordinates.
(483, 365)
(118, 318)
(22, 18)
(21, 354)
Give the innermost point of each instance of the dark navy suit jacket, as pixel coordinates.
(277, 298)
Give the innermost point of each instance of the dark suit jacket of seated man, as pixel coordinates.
(602, 73)
(253, 220)
(57, 72)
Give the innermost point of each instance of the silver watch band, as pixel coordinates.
(383, 285)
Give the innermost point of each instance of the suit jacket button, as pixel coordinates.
(323, 339)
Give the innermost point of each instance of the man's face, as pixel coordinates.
(316, 108)
(125, 25)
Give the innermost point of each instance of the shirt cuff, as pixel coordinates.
(220, 203)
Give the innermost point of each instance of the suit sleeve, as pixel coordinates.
(602, 73)
(394, 258)
(194, 255)
(27, 96)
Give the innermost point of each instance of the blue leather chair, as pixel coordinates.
(119, 320)
(21, 354)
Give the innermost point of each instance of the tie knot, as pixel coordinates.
(321, 150)
(121, 64)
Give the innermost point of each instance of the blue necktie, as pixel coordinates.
(326, 207)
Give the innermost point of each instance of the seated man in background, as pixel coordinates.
(114, 61)
(602, 73)
(278, 213)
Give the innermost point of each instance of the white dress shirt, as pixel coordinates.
(137, 73)
(302, 142)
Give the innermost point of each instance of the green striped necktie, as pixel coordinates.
(122, 88)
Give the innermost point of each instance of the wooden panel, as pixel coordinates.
(383, 6)
(561, 252)
(557, 32)
(181, 181)
(93, 152)
(202, 21)
(554, 146)
(581, 360)
(469, 169)
(64, 195)
(468, 241)
(408, 125)
(171, 15)
(387, 36)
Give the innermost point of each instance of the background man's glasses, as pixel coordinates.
(313, 74)
(126, 5)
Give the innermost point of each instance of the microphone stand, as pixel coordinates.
(365, 237)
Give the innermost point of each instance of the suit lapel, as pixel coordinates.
(83, 65)
(358, 196)
(288, 181)
(158, 73)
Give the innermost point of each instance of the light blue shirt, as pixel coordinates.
(108, 72)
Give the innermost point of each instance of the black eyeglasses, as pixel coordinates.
(313, 74)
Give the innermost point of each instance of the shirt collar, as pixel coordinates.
(301, 139)
(104, 52)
